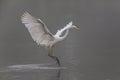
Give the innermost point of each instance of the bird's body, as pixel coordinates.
(41, 35)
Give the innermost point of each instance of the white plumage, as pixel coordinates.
(37, 29)
(40, 33)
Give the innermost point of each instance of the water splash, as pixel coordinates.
(29, 67)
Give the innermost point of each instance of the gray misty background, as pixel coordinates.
(95, 49)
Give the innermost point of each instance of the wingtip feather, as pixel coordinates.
(24, 14)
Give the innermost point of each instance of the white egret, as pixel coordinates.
(42, 36)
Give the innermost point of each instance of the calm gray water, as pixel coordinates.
(93, 53)
(52, 72)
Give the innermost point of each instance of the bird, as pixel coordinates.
(42, 35)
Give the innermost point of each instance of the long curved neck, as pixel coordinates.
(66, 28)
(65, 35)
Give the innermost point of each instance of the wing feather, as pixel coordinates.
(37, 29)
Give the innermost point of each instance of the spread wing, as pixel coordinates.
(37, 29)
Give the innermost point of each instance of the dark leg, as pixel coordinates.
(53, 57)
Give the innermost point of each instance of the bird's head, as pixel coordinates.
(75, 27)
(70, 25)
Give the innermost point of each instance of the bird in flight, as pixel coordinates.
(41, 34)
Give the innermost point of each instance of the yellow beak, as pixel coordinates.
(77, 28)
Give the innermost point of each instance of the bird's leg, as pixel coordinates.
(50, 54)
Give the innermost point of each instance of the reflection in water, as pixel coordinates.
(58, 74)
(31, 72)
